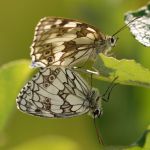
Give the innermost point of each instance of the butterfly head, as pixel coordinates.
(97, 113)
(111, 41)
(96, 110)
(108, 43)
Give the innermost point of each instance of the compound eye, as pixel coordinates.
(96, 113)
(112, 40)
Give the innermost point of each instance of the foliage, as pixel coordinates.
(12, 76)
(126, 115)
(128, 71)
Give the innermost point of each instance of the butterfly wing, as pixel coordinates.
(54, 92)
(59, 41)
(139, 27)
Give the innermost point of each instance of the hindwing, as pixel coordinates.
(54, 92)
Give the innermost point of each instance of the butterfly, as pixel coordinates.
(66, 42)
(59, 92)
(140, 26)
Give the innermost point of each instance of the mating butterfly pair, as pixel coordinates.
(57, 90)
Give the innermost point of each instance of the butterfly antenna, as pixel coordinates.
(122, 28)
(100, 139)
(109, 90)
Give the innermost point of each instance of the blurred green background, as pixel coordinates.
(126, 115)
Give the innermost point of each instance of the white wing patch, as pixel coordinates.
(55, 92)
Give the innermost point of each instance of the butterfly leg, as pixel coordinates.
(109, 90)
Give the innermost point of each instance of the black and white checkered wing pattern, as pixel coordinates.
(54, 92)
(60, 41)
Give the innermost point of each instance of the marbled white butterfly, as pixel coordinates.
(59, 92)
(65, 42)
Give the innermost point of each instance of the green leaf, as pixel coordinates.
(12, 76)
(47, 143)
(139, 24)
(128, 71)
(60, 143)
(143, 143)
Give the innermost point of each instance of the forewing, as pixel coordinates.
(59, 41)
(54, 92)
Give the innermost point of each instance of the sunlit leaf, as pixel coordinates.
(12, 77)
(140, 27)
(128, 71)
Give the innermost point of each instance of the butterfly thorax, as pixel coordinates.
(104, 46)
